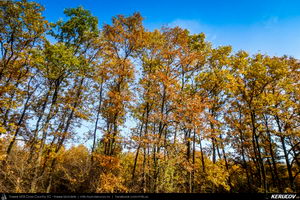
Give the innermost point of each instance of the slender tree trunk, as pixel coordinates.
(289, 168)
(194, 157)
(18, 126)
(259, 157)
(202, 156)
(137, 152)
(276, 175)
(244, 160)
(66, 129)
(44, 136)
(36, 130)
(96, 123)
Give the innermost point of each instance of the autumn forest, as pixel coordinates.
(108, 108)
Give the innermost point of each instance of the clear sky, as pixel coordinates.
(266, 26)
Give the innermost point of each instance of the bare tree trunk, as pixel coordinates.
(96, 123)
(289, 168)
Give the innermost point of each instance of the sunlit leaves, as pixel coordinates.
(167, 111)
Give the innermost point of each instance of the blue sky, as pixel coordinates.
(265, 26)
